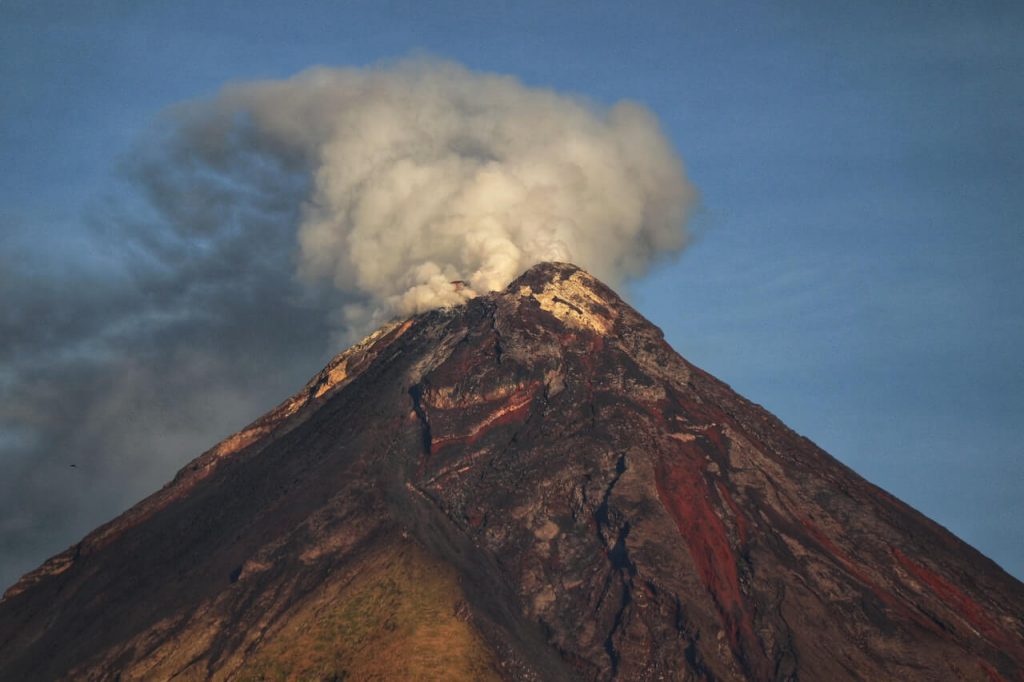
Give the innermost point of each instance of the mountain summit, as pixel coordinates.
(530, 486)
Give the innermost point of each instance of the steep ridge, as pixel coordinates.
(533, 485)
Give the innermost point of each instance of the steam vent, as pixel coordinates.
(530, 486)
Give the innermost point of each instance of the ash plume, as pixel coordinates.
(250, 230)
(425, 172)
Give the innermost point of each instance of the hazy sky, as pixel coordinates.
(857, 269)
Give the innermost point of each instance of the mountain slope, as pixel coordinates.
(530, 486)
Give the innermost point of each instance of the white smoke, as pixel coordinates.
(423, 172)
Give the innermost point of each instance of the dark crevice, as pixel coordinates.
(785, 657)
(609, 644)
(499, 351)
(622, 565)
(695, 661)
(691, 652)
(416, 393)
(619, 555)
(601, 515)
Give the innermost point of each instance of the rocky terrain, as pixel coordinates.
(531, 486)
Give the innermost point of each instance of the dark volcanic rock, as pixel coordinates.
(531, 486)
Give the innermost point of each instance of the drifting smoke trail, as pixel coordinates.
(424, 173)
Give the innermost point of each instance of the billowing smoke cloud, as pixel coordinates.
(426, 173)
(251, 228)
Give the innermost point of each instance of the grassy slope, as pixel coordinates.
(398, 618)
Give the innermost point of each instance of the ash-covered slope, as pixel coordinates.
(530, 486)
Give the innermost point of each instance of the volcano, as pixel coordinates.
(530, 486)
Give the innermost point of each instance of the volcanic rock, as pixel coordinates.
(530, 486)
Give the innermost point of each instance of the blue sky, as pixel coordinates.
(859, 254)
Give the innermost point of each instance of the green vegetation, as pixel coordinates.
(395, 620)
